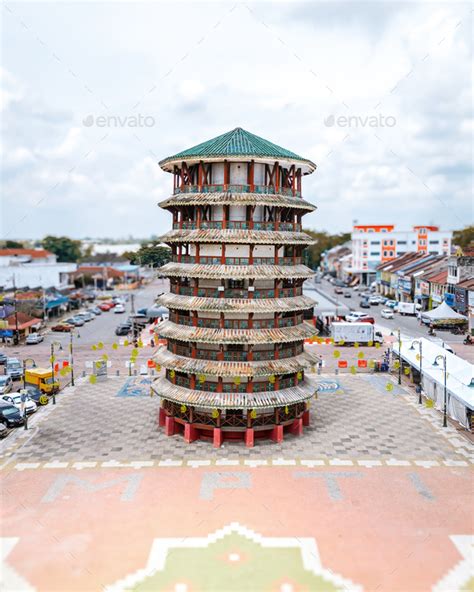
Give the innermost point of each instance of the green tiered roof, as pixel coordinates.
(237, 142)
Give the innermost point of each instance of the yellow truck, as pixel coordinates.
(41, 378)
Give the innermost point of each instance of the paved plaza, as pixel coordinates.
(353, 418)
(374, 496)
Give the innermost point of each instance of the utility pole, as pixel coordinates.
(16, 341)
(399, 358)
(132, 303)
(71, 356)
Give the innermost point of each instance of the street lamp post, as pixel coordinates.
(53, 343)
(24, 369)
(445, 402)
(71, 357)
(399, 358)
(420, 349)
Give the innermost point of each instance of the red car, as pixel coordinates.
(62, 328)
(366, 320)
(105, 306)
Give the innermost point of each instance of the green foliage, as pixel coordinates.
(464, 237)
(11, 244)
(324, 241)
(149, 254)
(66, 249)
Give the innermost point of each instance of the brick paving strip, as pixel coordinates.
(360, 424)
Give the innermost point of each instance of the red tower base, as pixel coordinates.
(173, 424)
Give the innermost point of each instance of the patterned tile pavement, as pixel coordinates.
(115, 422)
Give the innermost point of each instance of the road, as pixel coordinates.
(101, 330)
(329, 301)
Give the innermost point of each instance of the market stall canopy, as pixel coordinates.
(443, 313)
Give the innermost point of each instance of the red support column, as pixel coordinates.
(198, 217)
(190, 433)
(250, 353)
(170, 426)
(223, 254)
(218, 437)
(251, 176)
(305, 417)
(277, 177)
(276, 254)
(226, 174)
(219, 384)
(249, 437)
(161, 417)
(225, 216)
(192, 382)
(251, 248)
(200, 175)
(277, 434)
(297, 427)
(198, 253)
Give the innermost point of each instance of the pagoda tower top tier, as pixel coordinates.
(237, 145)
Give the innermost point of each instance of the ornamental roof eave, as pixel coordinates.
(170, 330)
(205, 271)
(261, 237)
(231, 198)
(212, 400)
(236, 144)
(178, 363)
(256, 305)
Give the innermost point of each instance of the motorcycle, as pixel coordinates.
(468, 340)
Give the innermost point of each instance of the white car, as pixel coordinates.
(355, 316)
(15, 399)
(6, 384)
(387, 313)
(34, 338)
(119, 309)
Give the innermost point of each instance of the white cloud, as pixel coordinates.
(305, 62)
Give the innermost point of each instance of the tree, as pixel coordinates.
(463, 238)
(11, 244)
(323, 242)
(152, 254)
(66, 249)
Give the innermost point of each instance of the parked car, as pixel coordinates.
(15, 399)
(119, 309)
(6, 384)
(3, 430)
(86, 316)
(37, 395)
(34, 338)
(10, 415)
(3, 359)
(355, 316)
(96, 310)
(374, 300)
(391, 303)
(76, 321)
(14, 368)
(123, 329)
(387, 313)
(338, 290)
(105, 306)
(367, 319)
(62, 328)
(364, 304)
(347, 294)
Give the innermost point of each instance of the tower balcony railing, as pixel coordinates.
(217, 260)
(235, 292)
(235, 188)
(288, 351)
(231, 387)
(236, 323)
(236, 225)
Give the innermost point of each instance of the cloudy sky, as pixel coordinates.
(377, 94)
